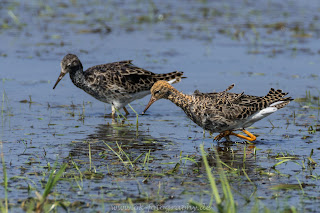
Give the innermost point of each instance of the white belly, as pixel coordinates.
(124, 100)
(254, 118)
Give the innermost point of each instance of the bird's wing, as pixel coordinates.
(122, 75)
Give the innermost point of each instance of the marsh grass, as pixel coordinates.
(80, 175)
(137, 158)
(53, 179)
(226, 204)
(82, 114)
(121, 116)
(90, 158)
(311, 161)
(125, 157)
(119, 155)
(6, 109)
(4, 208)
(27, 101)
(41, 202)
(2, 105)
(137, 120)
(310, 100)
(223, 195)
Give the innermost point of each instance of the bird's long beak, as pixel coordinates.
(152, 100)
(60, 77)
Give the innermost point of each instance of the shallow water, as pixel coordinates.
(254, 45)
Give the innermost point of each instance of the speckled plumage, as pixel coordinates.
(117, 83)
(221, 111)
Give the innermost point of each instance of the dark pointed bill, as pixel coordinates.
(60, 77)
(152, 100)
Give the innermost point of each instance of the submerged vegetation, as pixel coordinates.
(219, 175)
(242, 21)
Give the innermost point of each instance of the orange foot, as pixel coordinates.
(227, 133)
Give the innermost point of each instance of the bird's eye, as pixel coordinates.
(157, 92)
(69, 65)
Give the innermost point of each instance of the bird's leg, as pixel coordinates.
(223, 134)
(113, 112)
(227, 133)
(227, 137)
(250, 138)
(126, 111)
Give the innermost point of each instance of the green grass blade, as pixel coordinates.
(301, 187)
(210, 176)
(125, 154)
(245, 173)
(189, 159)
(90, 156)
(137, 122)
(77, 168)
(5, 181)
(137, 158)
(114, 152)
(286, 187)
(225, 185)
(281, 162)
(53, 179)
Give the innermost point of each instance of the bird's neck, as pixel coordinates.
(77, 77)
(181, 100)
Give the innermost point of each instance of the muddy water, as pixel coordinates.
(254, 45)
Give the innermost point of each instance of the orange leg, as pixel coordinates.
(227, 133)
(126, 111)
(250, 138)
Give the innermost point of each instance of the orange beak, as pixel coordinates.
(152, 100)
(60, 77)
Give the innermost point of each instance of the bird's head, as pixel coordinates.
(69, 63)
(160, 89)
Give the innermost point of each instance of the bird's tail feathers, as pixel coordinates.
(276, 98)
(172, 77)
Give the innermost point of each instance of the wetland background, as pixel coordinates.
(60, 152)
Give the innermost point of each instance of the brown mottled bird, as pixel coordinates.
(117, 83)
(222, 112)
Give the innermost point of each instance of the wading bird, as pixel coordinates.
(222, 112)
(117, 83)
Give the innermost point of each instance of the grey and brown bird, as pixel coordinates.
(222, 112)
(117, 83)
